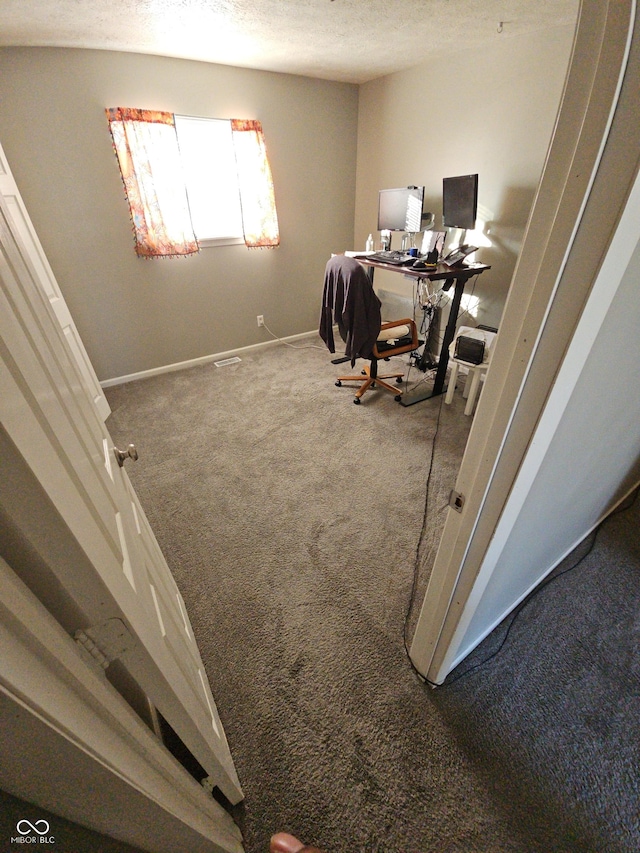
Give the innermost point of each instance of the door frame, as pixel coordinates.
(584, 185)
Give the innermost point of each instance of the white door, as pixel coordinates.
(131, 608)
(43, 274)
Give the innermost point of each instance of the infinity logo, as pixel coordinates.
(32, 827)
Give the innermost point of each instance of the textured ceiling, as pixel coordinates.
(350, 40)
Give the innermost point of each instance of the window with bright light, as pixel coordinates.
(211, 179)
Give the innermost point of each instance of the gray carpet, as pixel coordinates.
(291, 520)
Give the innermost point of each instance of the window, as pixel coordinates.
(209, 166)
(213, 171)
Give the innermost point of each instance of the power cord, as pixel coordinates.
(287, 344)
(427, 303)
(416, 562)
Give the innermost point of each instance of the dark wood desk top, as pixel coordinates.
(439, 273)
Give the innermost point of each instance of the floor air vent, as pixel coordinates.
(227, 361)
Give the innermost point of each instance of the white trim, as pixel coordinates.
(565, 259)
(203, 359)
(462, 654)
(561, 270)
(565, 181)
(213, 242)
(594, 314)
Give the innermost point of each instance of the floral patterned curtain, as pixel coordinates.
(146, 146)
(257, 199)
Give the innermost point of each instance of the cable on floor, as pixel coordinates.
(551, 578)
(287, 344)
(416, 562)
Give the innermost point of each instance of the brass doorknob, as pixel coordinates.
(129, 453)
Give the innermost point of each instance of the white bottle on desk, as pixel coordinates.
(369, 246)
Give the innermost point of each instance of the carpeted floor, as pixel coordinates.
(291, 520)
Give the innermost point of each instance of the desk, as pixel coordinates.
(457, 276)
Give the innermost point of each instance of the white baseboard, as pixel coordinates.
(204, 359)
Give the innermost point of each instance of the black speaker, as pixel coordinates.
(470, 350)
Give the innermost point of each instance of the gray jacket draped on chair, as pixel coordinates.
(350, 301)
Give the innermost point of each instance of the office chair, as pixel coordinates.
(475, 372)
(395, 338)
(350, 301)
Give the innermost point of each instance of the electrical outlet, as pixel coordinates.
(260, 320)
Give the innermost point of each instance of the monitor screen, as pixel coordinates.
(400, 209)
(460, 201)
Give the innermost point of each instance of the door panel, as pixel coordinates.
(43, 274)
(54, 422)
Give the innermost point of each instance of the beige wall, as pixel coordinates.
(332, 147)
(134, 314)
(488, 110)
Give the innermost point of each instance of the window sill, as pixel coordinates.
(211, 242)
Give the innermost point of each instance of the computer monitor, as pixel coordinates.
(460, 201)
(400, 209)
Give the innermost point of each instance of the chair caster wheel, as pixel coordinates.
(399, 380)
(338, 383)
(356, 400)
(398, 397)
